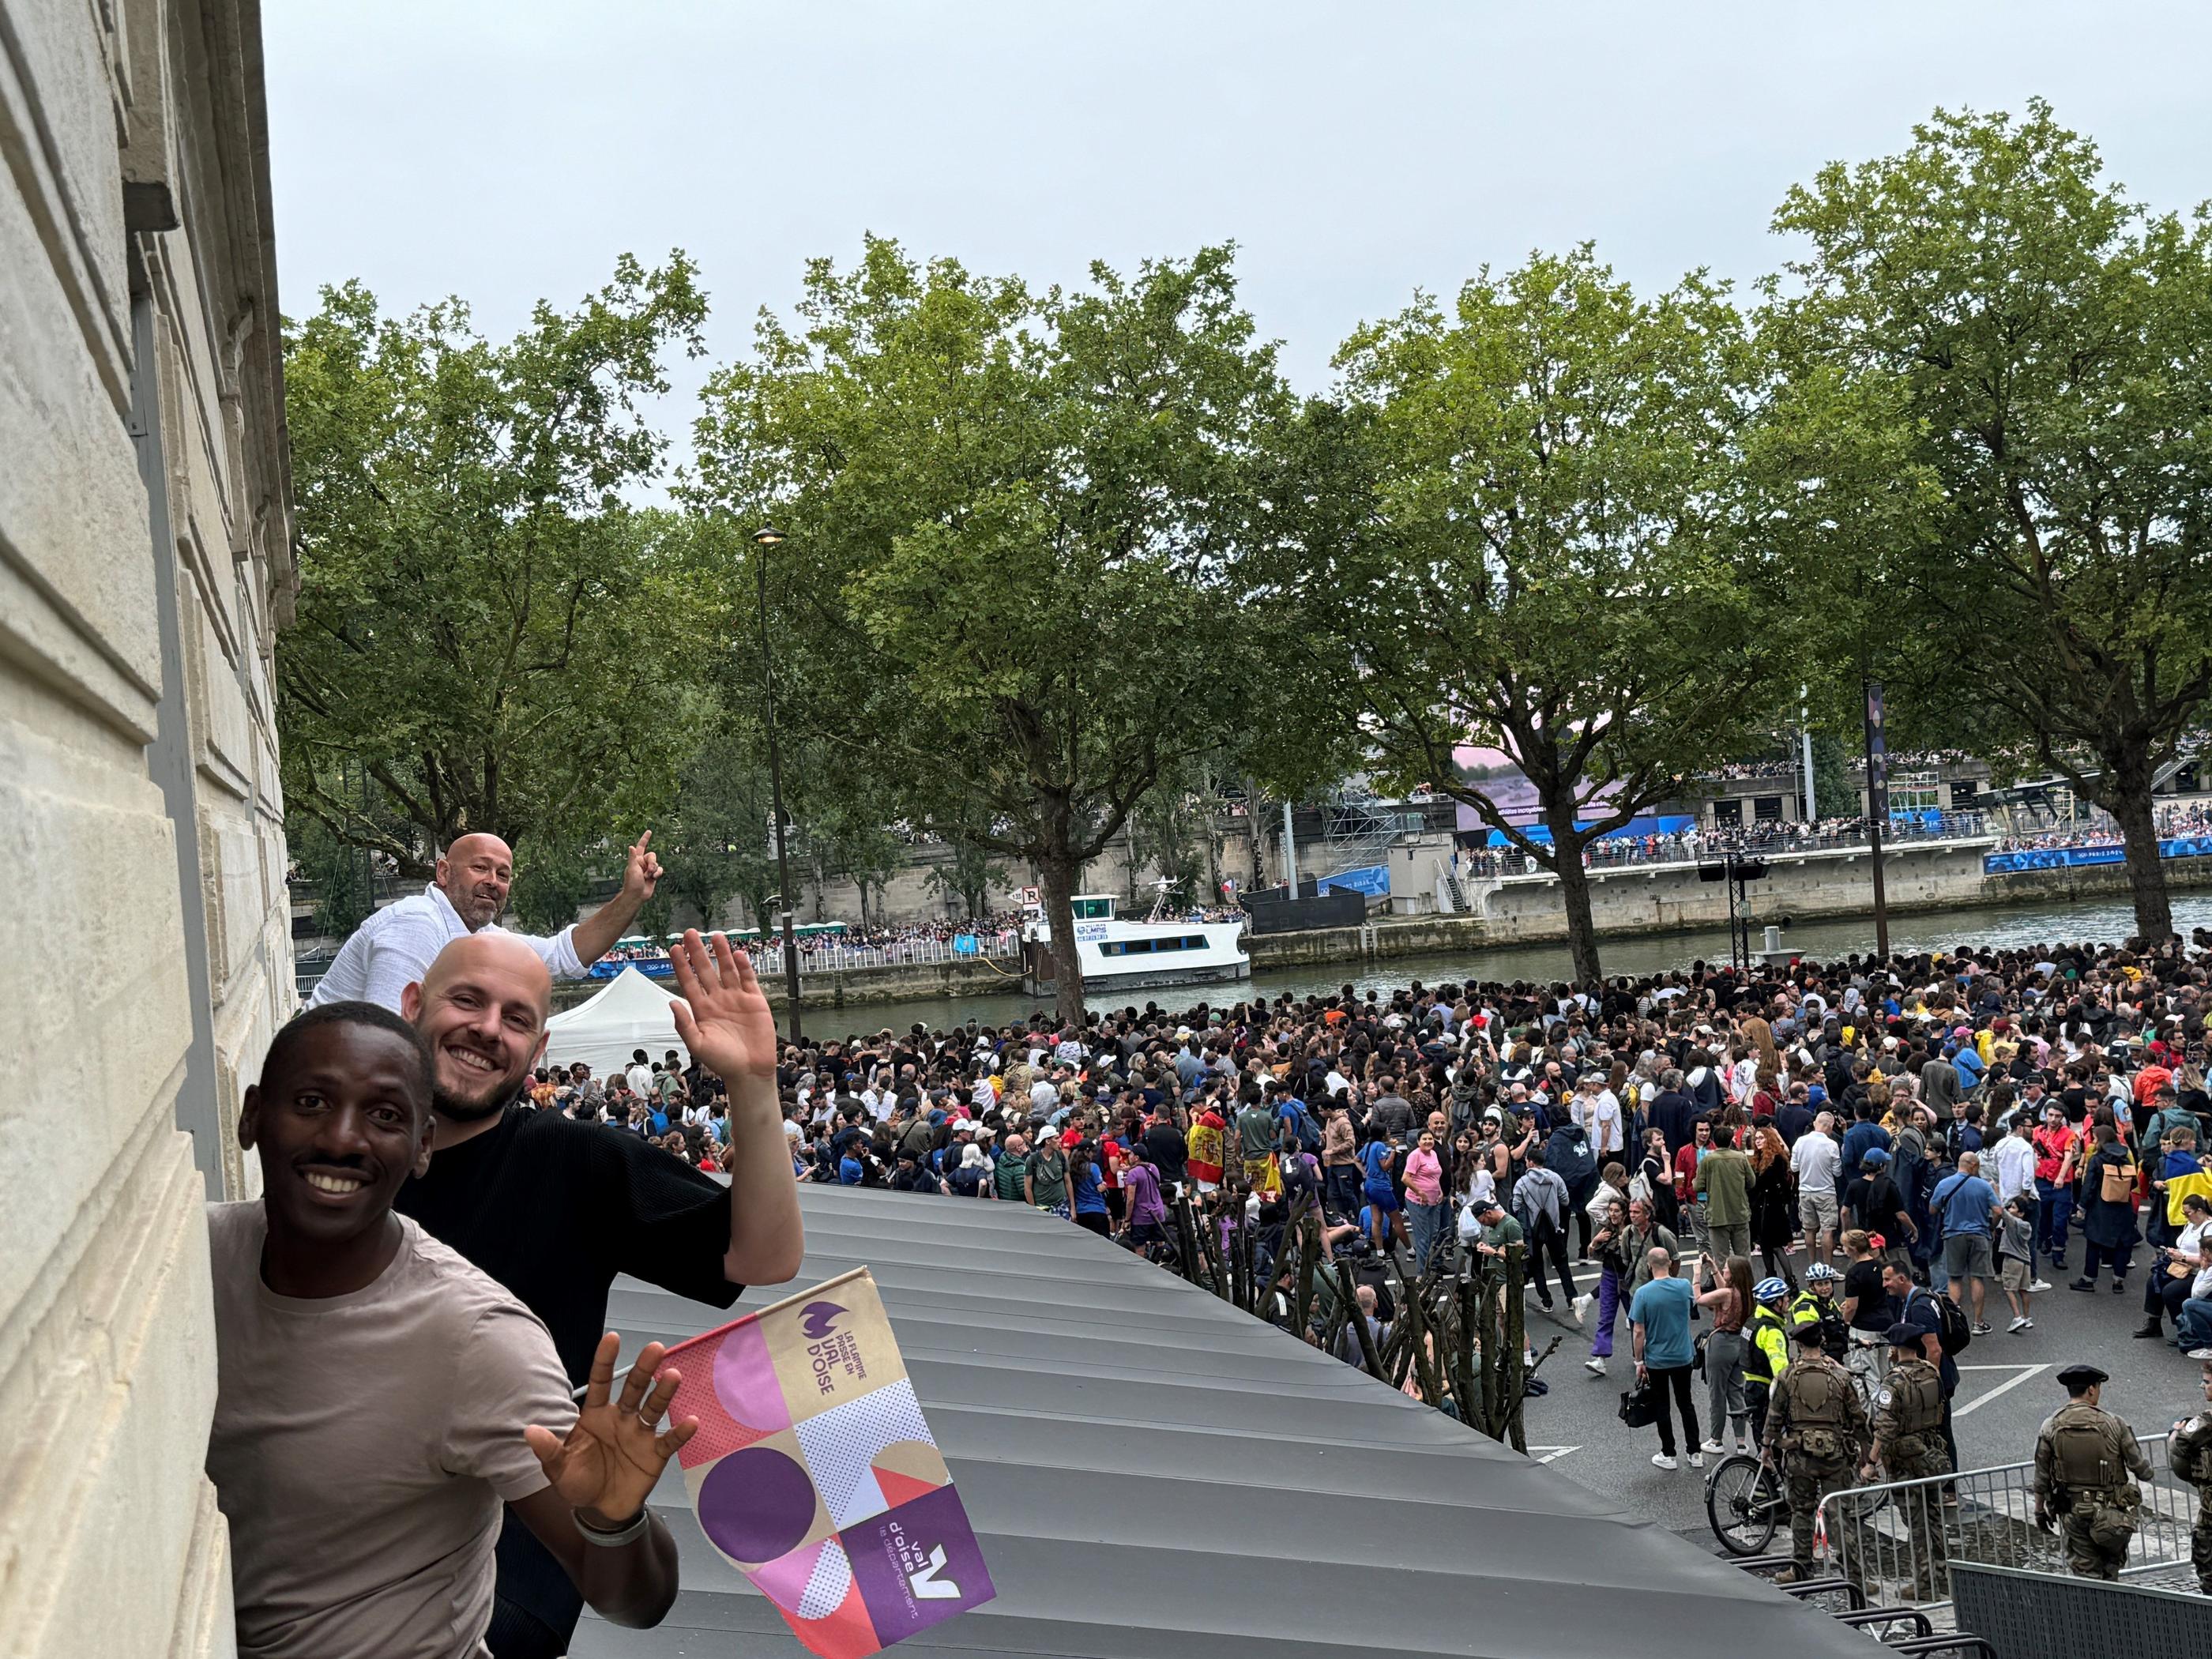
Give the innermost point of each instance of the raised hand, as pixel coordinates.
(723, 1017)
(610, 1460)
(642, 872)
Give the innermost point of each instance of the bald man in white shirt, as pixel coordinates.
(395, 947)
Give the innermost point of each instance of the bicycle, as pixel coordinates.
(1747, 1502)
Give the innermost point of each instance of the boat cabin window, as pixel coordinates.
(1141, 947)
(1092, 910)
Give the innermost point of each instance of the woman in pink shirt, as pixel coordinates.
(1424, 1198)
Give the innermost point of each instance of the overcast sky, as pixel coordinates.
(1354, 152)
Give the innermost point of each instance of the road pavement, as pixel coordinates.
(2007, 1386)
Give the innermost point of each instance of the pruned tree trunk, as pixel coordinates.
(1308, 1227)
(1348, 1288)
(2131, 804)
(1512, 1364)
(1056, 874)
(1574, 893)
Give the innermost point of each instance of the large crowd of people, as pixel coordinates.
(1773, 1118)
(1905, 1148)
(1868, 1163)
(2178, 820)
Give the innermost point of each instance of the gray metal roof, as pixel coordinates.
(1154, 1474)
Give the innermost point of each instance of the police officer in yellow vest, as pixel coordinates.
(1815, 1422)
(2189, 1455)
(1908, 1445)
(1765, 1352)
(2084, 1457)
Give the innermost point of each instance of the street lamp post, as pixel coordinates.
(766, 537)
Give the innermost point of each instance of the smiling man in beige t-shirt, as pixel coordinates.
(379, 1398)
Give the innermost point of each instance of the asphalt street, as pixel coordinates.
(2007, 1386)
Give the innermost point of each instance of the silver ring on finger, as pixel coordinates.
(651, 1421)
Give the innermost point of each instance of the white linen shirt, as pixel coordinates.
(394, 948)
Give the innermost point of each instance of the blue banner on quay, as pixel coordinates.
(651, 967)
(2072, 858)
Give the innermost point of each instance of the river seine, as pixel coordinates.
(2100, 922)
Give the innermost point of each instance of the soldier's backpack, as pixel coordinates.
(2081, 1454)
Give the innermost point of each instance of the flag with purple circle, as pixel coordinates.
(815, 1475)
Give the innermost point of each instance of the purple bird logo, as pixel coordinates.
(817, 1319)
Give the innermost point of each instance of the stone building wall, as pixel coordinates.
(145, 562)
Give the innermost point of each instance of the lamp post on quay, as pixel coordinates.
(767, 537)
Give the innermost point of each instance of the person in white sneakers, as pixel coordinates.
(1611, 1249)
(2014, 1159)
(1659, 1320)
(1814, 1160)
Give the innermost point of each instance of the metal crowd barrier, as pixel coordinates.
(2036, 1615)
(1883, 1536)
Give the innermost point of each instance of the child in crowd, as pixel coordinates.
(2015, 1244)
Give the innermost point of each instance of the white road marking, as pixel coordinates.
(1551, 1454)
(2025, 1372)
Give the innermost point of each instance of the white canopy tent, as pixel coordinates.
(631, 1013)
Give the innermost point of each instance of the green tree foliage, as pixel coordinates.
(1013, 591)
(844, 834)
(1985, 321)
(552, 879)
(717, 834)
(1172, 836)
(482, 622)
(1522, 533)
(968, 875)
(1835, 780)
(341, 878)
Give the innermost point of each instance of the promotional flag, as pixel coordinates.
(813, 1473)
(1877, 751)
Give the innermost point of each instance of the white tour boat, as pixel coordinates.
(1120, 954)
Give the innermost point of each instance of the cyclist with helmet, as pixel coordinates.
(1766, 1350)
(1816, 1304)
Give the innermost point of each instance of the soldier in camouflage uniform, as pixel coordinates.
(1908, 1445)
(2083, 1457)
(1815, 1420)
(2189, 1455)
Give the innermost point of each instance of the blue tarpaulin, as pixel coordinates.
(1372, 879)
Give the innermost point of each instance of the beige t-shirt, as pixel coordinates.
(363, 1443)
